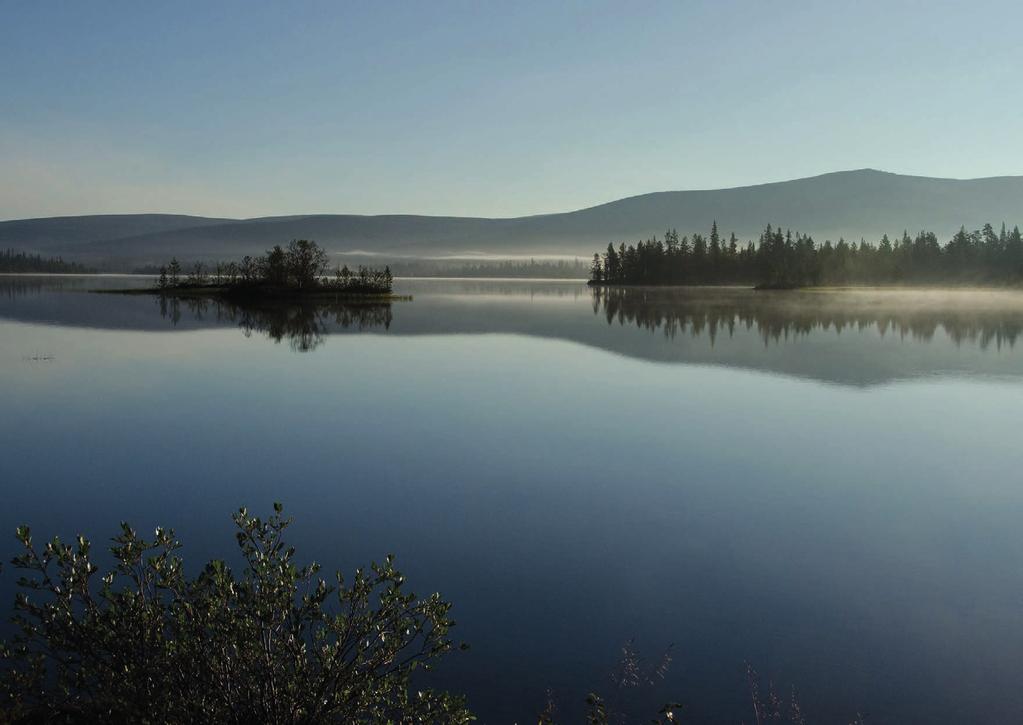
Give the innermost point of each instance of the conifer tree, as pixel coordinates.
(174, 270)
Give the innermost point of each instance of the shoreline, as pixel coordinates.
(929, 286)
(257, 295)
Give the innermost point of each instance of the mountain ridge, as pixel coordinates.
(851, 204)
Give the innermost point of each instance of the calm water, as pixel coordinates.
(825, 485)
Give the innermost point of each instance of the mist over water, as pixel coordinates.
(825, 485)
(851, 336)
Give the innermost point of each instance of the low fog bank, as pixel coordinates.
(906, 300)
(469, 265)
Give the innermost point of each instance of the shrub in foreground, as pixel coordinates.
(277, 644)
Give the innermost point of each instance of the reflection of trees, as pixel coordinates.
(303, 324)
(14, 287)
(777, 316)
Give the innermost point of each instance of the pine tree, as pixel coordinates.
(715, 252)
(175, 271)
(612, 266)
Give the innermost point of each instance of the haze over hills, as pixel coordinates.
(850, 204)
(68, 232)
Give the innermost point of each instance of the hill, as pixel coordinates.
(69, 232)
(851, 204)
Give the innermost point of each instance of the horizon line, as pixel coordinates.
(225, 219)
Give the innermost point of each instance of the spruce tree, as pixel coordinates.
(174, 270)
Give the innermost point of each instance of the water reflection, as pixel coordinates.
(982, 319)
(304, 325)
(15, 286)
(854, 337)
(679, 463)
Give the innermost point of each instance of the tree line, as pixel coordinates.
(782, 259)
(302, 265)
(13, 261)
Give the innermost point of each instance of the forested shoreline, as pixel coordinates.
(783, 260)
(15, 262)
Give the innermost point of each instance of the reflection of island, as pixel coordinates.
(303, 324)
(981, 317)
(848, 337)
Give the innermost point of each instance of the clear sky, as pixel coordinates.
(491, 109)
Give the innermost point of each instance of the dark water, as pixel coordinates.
(826, 485)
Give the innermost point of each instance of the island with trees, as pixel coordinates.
(299, 271)
(783, 260)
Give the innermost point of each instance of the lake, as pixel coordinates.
(826, 485)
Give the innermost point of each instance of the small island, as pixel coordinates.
(299, 272)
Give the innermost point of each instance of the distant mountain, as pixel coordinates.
(68, 232)
(849, 204)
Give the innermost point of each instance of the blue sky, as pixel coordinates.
(477, 108)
